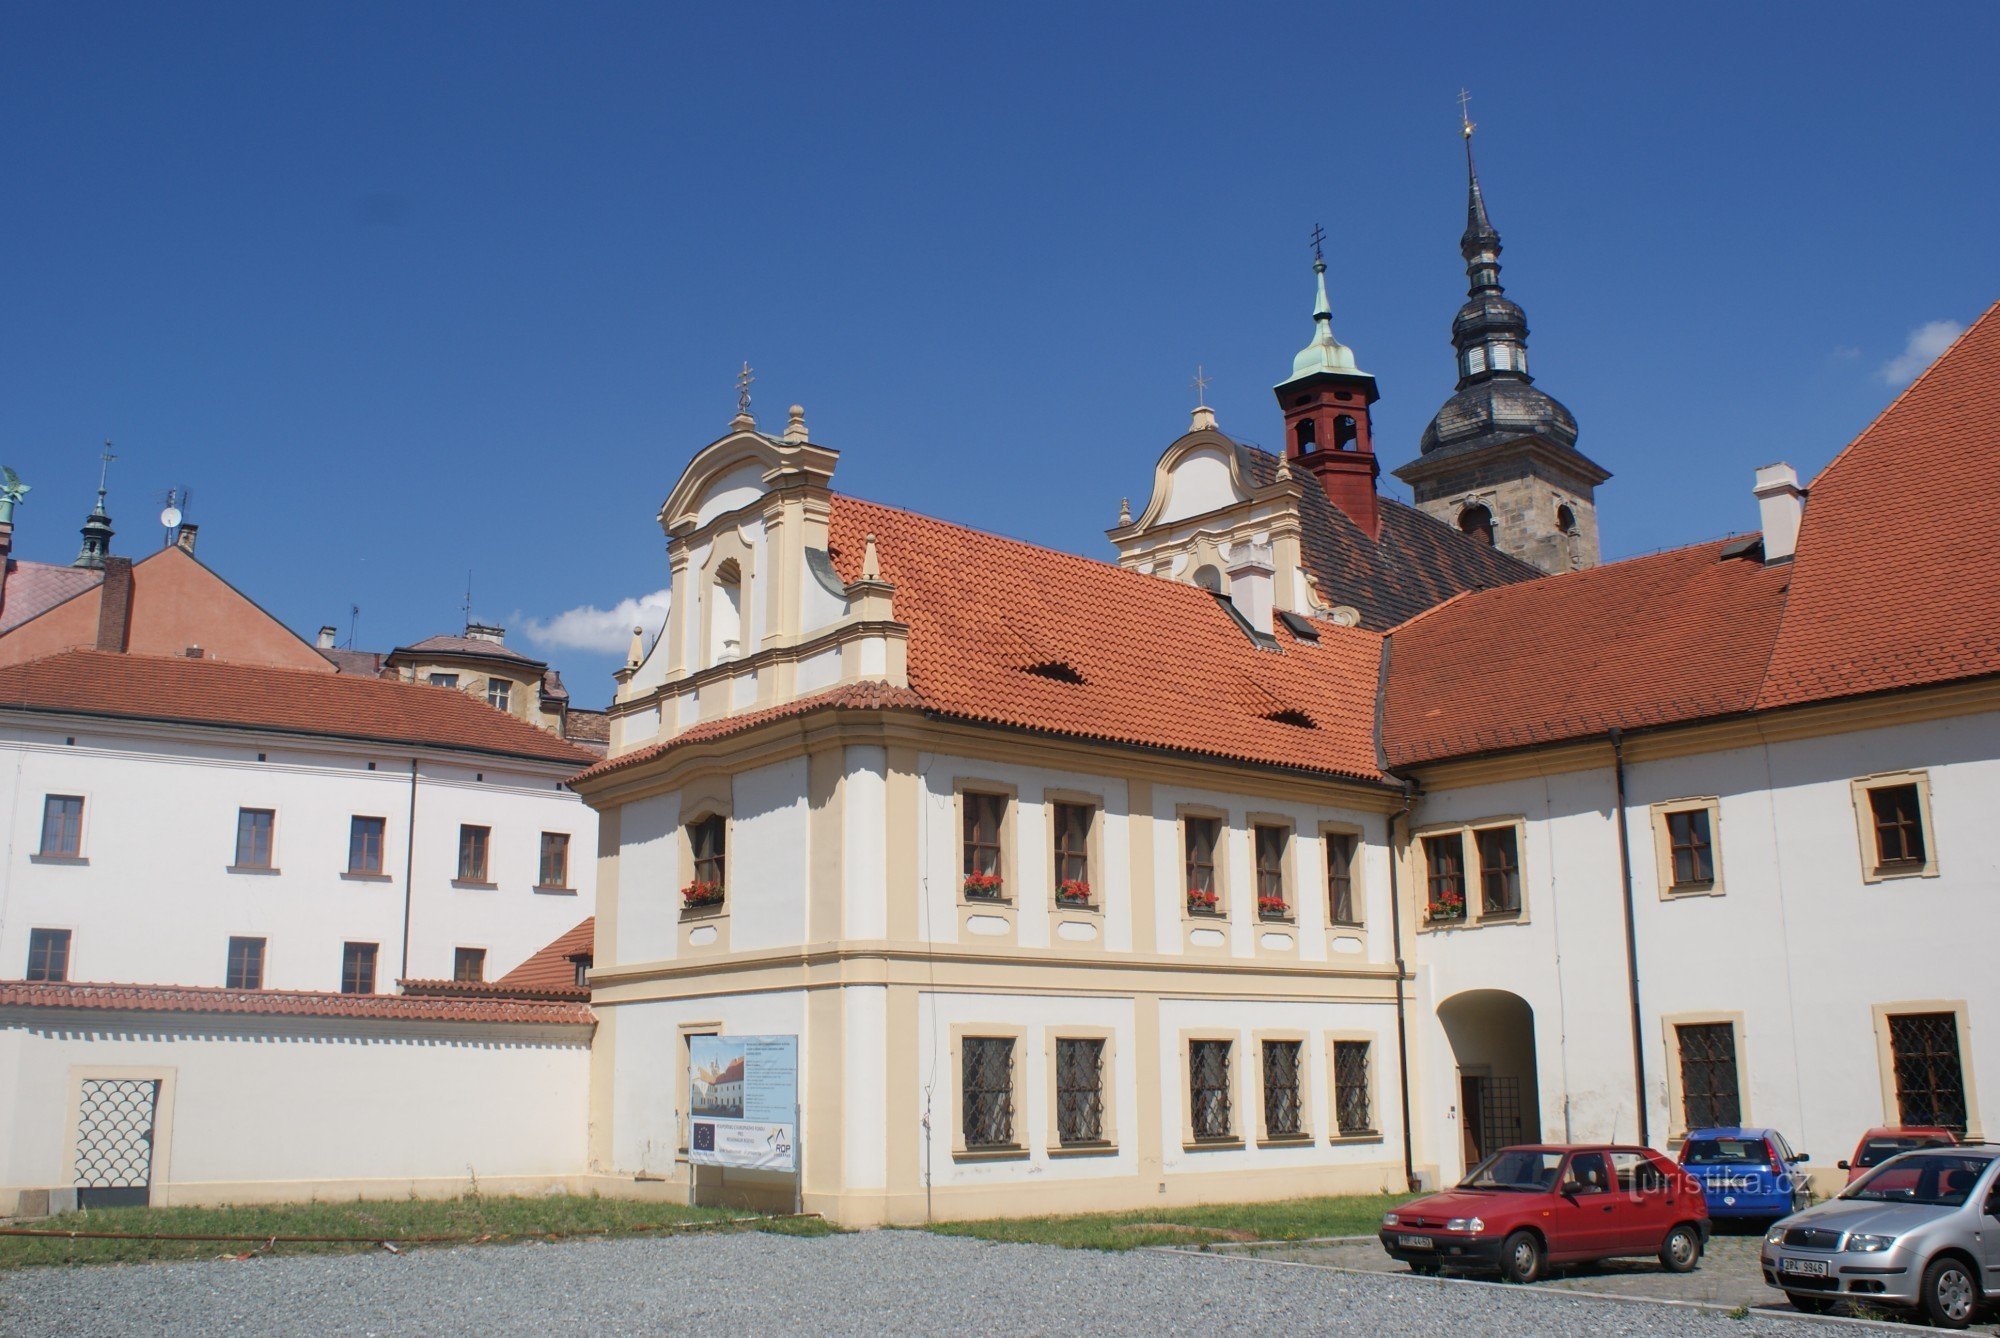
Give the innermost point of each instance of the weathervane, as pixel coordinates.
(1200, 386)
(12, 490)
(743, 380)
(1318, 236)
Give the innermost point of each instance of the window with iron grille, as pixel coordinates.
(246, 964)
(499, 693)
(1499, 871)
(1073, 843)
(1079, 1091)
(473, 843)
(364, 844)
(357, 968)
(1930, 1079)
(1200, 836)
(48, 954)
(1350, 1088)
(253, 837)
(1690, 846)
(1899, 826)
(708, 838)
(988, 1091)
(468, 964)
(1340, 878)
(555, 860)
(62, 825)
(1284, 1116)
(1444, 871)
(983, 815)
(1270, 849)
(1710, 1089)
(1208, 1089)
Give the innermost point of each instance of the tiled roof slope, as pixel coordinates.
(1652, 640)
(33, 588)
(1418, 562)
(287, 1003)
(215, 692)
(864, 696)
(366, 663)
(1898, 572)
(468, 646)
(1163, 665)
(550, 971)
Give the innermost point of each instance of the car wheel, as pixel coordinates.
(1807, 1304)
(1950, 1293)
(1521, 1258)
(1681, 1250)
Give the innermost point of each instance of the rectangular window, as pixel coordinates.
(1210, 1116)
(253, 837)
(1444, 871)
(468, 964)
(708, 839)
(1499, 871)
(1899, 827)
(246, 964)
(357, 968)
(555, 860)
(1270, 849)
(984, 814)
(444, 680)
(1340, 879)
(1079, 1092)
(1930, 1082)
(48, 954)
(1710, 1091)
(1284, 1116)
(364, 844)
(499, 693)
(62, 825)
(582, 962)
(472, 847)
(1350, 1088)
(1073, 853)
(1691, 847)
(1200, 836)
(988, 1094)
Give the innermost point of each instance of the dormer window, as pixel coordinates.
(1475, 361)
(725, 619)
(499, 694)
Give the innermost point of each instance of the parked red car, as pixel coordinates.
(1526, 1208)
(1878, 1145)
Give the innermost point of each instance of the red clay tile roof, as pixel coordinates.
(1674, 636)
(286, 1003)
(366, 663)
(468, 647)
(1898, 572)
(33, 588)
(552, 971)
(865, 696)
(290, 701)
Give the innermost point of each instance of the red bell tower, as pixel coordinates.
(1326, 403)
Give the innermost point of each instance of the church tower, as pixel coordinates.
(1325, 401)
(1499, 461)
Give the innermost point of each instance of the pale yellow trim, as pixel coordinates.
(825, 1096)
(1308, 1077)
(1288, 882)
(726, 548)
(599, 1144)
(160, 1165)
(1017, 1036)
(826, 829)
(1144, 894)
(1371, 1086)
(1663, 848)
(1108, 1091)
(1093, 847)
(1885, 1058)
(1872, 868)
(1476, 914)
(1191, 919)
(1010, 797)
(1357, 887)
(902, 853)
(1188, 1036)
(903, 1131)
(1670, 1024)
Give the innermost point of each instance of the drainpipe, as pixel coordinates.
(1402, 1017)
(1631, 936)
(409, 868)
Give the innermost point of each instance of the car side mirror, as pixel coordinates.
(1842, 1166)
(1798, 1157)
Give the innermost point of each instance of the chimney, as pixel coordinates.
(185, 540)
(483, 632)
(1251, 578)
(114, 605)
(326, 636)
(1781, 505)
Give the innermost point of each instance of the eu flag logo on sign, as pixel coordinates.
(704, 1138)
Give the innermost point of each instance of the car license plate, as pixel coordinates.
(1803, 1268)
(1416, 1242)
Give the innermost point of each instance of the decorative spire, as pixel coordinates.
(1481, 243)
(1491, 333)
(97, 525)
(743, 420)
(1324, 353)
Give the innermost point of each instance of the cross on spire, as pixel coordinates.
(743, 380)
(104, 468)
(1200, 386)
(1464, 118)
(1318, 237)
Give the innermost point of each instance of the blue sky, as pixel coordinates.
(402, 291)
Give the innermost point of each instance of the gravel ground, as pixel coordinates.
(873, 1283)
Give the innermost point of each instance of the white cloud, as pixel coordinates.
(1926, 342)
(605, 631)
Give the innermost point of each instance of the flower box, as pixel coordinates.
(983, 886)
(1073, 892)
(699, 893)
(1447, 909)
(1274, 908)
(1203, 900)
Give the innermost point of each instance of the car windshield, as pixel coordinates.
(1933, 1179)
(1515, 1168)
(1725, 1152)
(1878, 1150)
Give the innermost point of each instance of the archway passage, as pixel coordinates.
(1492, 1034)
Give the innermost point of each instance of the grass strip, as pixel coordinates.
(1285, 1219)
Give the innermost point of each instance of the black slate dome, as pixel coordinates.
(1497, 409)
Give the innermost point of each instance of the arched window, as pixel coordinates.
(1476, 523)
(1565, 518)
(1344, 433)
(1305, 436)
(725, 614)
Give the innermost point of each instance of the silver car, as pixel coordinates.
(1922, 1230)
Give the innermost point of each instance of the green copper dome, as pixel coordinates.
(1324, 353)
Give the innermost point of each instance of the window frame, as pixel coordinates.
(1677, 1113)
(1092, 805)
(347, 959)
(1303, 1076)
(1185, 816)
(381, 869)
(1472, 878)
(542, 883)
(44, 936)
(231, 961)
(1369, 1080)
(463, 953)
(695, 864)
(1356, 899)
(1107, 1115)
(464, 876)
(75, 853)
(1487, 869)
(1279, 873)
(439, 678)
(244, 813)
(1232, 1090)
(504, 690)
(968, 793)
(1017, 1036)
(1662, 816)
(1886, 1058)
(1873, 868)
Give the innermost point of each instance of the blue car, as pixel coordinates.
(1746, 1172)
